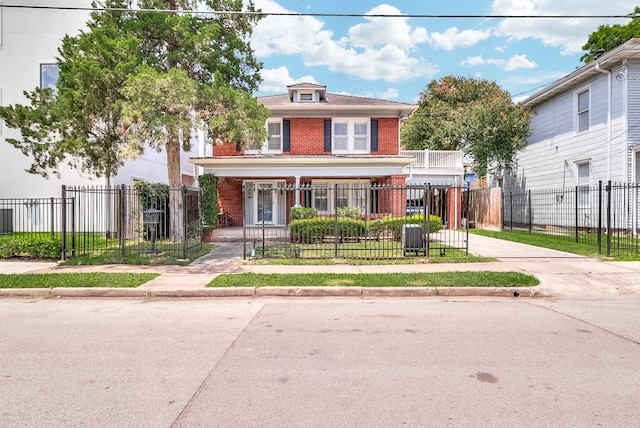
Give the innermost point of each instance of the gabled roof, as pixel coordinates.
(586, 73)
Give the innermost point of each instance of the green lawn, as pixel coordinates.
(423, 279)
(136, 255)
(559, 243)
(84, 279)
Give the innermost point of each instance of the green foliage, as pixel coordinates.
(40, 246)
(351, 212)
(608, 37)
(393, 225)
(311, 229)
(475, 116)
(298, 213)
(351, 228)
(209, 200)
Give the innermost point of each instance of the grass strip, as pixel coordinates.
(559, 243)
(81, 279)
(422, 279)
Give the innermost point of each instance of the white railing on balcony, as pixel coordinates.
(451, 159)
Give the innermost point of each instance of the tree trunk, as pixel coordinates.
(176, 212)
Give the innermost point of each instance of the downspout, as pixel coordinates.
(609, 124)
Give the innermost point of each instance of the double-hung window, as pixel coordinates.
(273, 144)
(582, 111)
(583, 184)
(351, 136)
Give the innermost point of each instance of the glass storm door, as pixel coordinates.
(265, 202)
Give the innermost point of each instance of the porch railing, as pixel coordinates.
(450, 159)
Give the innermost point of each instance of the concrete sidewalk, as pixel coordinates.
(561, 275)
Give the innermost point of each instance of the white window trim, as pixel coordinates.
(576, 112)
(351, 121)
(581, 186)
(301, 93)
(265, 144)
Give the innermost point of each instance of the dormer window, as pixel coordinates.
(306, 96)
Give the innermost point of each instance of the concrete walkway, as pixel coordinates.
(561, 274)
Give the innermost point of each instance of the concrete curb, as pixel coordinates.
(251, 292)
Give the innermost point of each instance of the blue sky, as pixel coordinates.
(395, 58)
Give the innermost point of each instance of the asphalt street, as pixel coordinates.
(320, 362)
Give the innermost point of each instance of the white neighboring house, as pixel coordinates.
(29, 41)
(585, 126)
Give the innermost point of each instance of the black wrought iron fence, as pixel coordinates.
(128, 220)
(352, 220)
(606, 215)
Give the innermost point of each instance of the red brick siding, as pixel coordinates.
(226, 149)
(307, 136)
(230, 200)
(387, 137)
(454, 208)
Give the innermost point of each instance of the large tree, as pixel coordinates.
(608, 37)
(144, 78)
(475, 116)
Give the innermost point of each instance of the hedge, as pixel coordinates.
(41, 247)
(393, 225)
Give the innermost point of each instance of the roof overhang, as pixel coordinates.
(308, 166)
(608, 61)
(326, 110)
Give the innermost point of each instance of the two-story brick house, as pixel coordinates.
(315, 138)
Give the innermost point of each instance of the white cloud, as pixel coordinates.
(373, 50)
(382, 31)
(454, 38)
(516, 62)
(568, 34)
(277, 80)
(389, 94)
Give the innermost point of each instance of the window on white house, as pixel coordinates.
(49, 75)
(583, 111)
(583, 184)
(351, 136)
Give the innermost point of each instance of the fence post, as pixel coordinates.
(609, 218)
(427, 216)
(510, 210)
(123, 219)
(63, 221)
(53, 214)
(600, 217)
(466, 244)
(244, 223)
(576, 213)
(185, 237)
(73, 224)
(335, 220)
(530, 214)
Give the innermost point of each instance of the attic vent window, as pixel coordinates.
(305, 96)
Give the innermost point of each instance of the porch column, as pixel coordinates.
(297, 204)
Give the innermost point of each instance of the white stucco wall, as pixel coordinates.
(30, 37)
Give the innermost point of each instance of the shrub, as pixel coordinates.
(299, 213)
(393, 225)
(209, 200)
(37, 247)
(318, 228)
(351, 228)
(312, 229)
(350, 212)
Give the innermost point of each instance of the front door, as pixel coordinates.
(265, 203)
